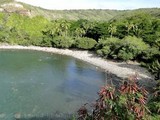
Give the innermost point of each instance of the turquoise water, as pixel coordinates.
(36, 83)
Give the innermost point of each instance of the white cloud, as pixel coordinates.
(93, 4)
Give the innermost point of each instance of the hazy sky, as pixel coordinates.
(94, 4)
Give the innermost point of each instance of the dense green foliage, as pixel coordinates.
(154, 102)
(127, 48)
(108, 47)
(62, 42)
(135, 37)
(85, 43)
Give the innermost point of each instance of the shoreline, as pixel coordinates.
(120, 69)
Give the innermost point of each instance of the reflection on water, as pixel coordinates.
(38, 84)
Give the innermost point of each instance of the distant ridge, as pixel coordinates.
(89, 14)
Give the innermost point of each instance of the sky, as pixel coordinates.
(93, 4)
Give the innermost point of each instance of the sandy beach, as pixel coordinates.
(121, 69)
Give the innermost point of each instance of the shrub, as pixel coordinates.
(150, 60)
(46, 42)
(108, 47)
(149, 54)
(104, 51)
(131, 47)
(4, 35)
(23, 42)
(154, 68)
(127, 103)
(126, 49)
(37, 41)
(85, 43)
(62, 42)
(154, 102)
(125, 55)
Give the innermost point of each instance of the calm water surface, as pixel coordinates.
(35, 83)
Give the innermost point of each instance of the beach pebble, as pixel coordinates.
(17, 115)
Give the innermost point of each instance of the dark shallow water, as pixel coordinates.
(36, 83)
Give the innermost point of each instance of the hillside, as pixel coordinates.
(90, 14)
(155, 12)
(93, 15)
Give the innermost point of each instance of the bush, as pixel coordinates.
(154, 68)
(108, 47)
(150, 60)
(150, 54)
(37, 41)
(85, 43)
(126, 49)
(126, 103)
(45, 42)
(62, 42)
(104, 51)
(124, 54)
(154, 102)
(131, 47)
(4, 35)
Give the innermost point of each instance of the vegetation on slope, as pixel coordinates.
(129, 13)
(133, 37)
(91, 15)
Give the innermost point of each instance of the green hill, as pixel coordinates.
(90, 14)
(155, 12)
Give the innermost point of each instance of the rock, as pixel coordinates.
(17, 115)
(2, 115)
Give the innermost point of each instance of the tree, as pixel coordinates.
(79, 32)
(62, 27)
(112, 29)
(130, 26)
(80, 27)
